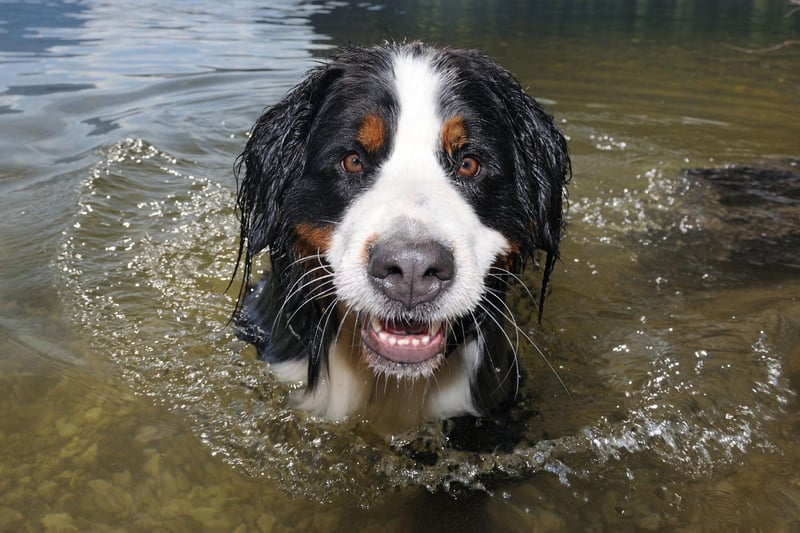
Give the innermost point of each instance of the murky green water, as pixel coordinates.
(674, 318)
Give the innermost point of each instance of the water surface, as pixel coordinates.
(673, 321)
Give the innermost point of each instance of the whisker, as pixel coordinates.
(447, 329)
(507, 314)
(482, 337)
(356, 322)
(297, 288)
(321, 296)
(527, 337)
(305, 258)
(342, 320)
(514, 351)
(517, 278)
(325, 320)
(549, 364)
(299, 285)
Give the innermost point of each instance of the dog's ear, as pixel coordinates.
(542, 168)
(273, 156)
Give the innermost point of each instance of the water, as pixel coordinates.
(673, 322)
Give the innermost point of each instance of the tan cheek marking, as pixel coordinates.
(313, 240)
(507, 260)
(454, 134)
(371, 133)
(368, 243)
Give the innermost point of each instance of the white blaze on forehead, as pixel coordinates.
(419, 124)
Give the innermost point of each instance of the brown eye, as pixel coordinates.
(468, 167)
(352, 164)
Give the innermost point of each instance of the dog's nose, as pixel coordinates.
(409, 272)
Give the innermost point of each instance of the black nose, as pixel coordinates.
(409, 272)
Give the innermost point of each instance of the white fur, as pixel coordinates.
(344, 388)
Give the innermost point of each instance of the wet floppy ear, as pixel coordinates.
(543, 168)
(273, 156)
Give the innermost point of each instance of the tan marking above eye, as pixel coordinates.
(468, 167)
(454, 134)
(352, 163)
(371, 133)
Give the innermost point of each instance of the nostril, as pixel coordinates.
(383, 264)
(440, 262)
(394, 271)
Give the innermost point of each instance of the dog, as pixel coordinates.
(399, 189)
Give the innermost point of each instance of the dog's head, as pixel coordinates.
(405, 186)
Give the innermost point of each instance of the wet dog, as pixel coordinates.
(399, 190)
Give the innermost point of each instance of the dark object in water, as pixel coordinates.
(752, 213)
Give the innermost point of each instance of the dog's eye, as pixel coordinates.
(468, 167)
(352, 163)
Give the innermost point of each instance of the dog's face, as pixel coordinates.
(402, 186)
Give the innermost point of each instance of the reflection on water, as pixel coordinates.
(673, 320)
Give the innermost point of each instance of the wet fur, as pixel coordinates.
(293, 314)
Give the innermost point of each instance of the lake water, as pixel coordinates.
(127, 404)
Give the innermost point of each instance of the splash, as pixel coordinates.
(144, 270)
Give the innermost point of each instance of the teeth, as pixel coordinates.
(404, 340)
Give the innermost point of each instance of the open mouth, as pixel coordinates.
(403, 342)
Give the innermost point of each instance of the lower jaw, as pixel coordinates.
(405, 371)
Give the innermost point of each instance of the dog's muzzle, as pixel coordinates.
(410, 275)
